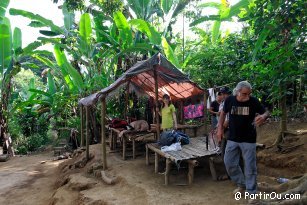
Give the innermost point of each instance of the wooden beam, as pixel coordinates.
(147, 155)
(157, 102)
(167, 170)
(87, 134)
(103, 133)
(205, 112)
(126, 101)
(181, 112)
(82, 125)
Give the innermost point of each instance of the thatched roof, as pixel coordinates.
(171, 81)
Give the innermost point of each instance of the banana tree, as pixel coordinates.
(12, 58)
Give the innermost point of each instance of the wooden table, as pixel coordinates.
(190, 153)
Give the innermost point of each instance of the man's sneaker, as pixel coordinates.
(238, 189)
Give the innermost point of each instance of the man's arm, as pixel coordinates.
(261, 118)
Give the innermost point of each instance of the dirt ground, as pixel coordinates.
(37, 179)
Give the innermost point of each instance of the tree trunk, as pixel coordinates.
(283, 121)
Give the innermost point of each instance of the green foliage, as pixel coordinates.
(3, 5)
(75, 5)
(5, 47)
(213, 65)
(108, 7)
(278, 58)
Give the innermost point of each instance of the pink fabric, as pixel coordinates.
(193, 111)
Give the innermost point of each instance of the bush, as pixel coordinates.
(22, 149)
(35, 141)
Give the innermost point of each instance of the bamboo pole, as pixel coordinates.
(87, 134)
(103, 133)
(126, 102)
(157, 103)
(205, 112)
(82, 126)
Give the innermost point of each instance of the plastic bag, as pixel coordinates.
(173, 147)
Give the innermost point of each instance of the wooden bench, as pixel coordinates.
(190, 153)
(130, 136)
(149, 136)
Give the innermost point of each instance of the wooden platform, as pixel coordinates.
(198, 148)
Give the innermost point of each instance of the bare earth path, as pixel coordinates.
(27, 181)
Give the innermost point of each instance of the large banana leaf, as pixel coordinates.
(124, 29)
(36, 24)
(140, 7)
(85, 30)
(71, 75)
(216, 30)
(3, 5)
(210, 4)
(169, 53)
(61, 62)
(31, 47)
(17, 40)
(55, 41)
(44, 60)
(166, 5)
(36, 17)
(205, 18)
(143, 26)
(69, 17)
(238, 7)
(5, 48)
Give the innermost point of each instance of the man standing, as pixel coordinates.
(245, 113)
(214, 110)
(226, 92)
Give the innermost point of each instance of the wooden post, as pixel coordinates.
(181, 112)
(133, 148)
(87, 133)
(126, 102)
(124, 147)
(147, 155)
(82, 126)
(205, 112)
(212, 169)
(167, 170)
(156, 162)
(192, 164)
(103, 133)
(157, 103)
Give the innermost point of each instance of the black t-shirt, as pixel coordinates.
(241, 118)
(215, 105)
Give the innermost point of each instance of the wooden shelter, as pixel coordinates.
(154, 77)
